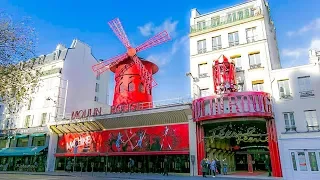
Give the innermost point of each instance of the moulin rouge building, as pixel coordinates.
(224, 120)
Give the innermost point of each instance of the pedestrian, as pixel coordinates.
(68, 167)
(225, 166)
(208, 164)
(218, 166)
(204, 166)
(131, 165)
(213, 167)
(165, 166)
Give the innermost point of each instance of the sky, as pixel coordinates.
(60, 21)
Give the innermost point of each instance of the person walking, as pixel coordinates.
(165, 166)
(218, 166)
(131, 165)
(213, 167)
(225, 166)
(204, 166)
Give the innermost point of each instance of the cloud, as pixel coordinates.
(150, 28)
(298, 55)
(164, 58)
(314, 25)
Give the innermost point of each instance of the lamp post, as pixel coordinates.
(194, 80)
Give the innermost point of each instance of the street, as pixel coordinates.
(63, 176)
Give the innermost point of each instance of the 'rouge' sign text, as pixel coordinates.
(235, 104)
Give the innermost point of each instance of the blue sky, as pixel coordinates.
(60, 21)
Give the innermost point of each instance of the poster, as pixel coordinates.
(142, 139)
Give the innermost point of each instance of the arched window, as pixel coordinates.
(141, 87)
(131, 87)
(121, 88)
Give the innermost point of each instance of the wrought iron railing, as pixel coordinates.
(222, 20)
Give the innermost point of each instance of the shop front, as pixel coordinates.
(238, 129)
(147, 146)
(24, 150)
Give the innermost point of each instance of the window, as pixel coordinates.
(202, 46)
(254, 60)
(201, 25)
(39, 141)
(141, 87)
(29, 104)
(240, 15)
(251, 34)
(215, 21)
(302, 161)
(204, 92)
(27, 121)
(284, 90)
(313, 161)
(257, 85)
(43, 118)
(202, 68)
(12, 142)
(121, 88)
(237, 61)
(216, 43)
(96, 99)
(305, 86)
(311, 118)
(229, 20)
(294, 161)
(131, 87)
(97, 87)
(3, 143)
(98, 77)
(233, 39)
(289, 121)
(22, 142)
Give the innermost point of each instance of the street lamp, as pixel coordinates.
(194, 80)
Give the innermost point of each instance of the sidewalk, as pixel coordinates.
(138, 176)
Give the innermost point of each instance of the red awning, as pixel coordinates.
(123, 153)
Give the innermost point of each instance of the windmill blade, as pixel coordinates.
(110, 62)
(145, 76)
(155, 40)
(119, 31)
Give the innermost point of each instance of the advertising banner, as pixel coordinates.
(142, 139)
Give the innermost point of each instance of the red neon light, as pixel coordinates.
(237, 104)
(173, 138)
(86, 113)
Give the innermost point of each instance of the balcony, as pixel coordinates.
(233, 17)
(231, 105)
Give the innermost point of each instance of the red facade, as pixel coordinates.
(169, 138)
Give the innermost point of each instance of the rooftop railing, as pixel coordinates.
(228, 19)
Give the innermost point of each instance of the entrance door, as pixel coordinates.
(305, 164)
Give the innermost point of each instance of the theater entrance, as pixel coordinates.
(242, 146)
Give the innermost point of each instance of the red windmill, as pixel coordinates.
(133, 75)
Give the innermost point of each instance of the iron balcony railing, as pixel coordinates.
(222, 20)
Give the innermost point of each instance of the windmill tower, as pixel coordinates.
(133, 74)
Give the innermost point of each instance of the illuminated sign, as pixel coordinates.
(235, 104)
(86, 113)
(123, 108)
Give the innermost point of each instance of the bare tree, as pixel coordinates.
(18, 75)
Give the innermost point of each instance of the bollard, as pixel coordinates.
(92, 165)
